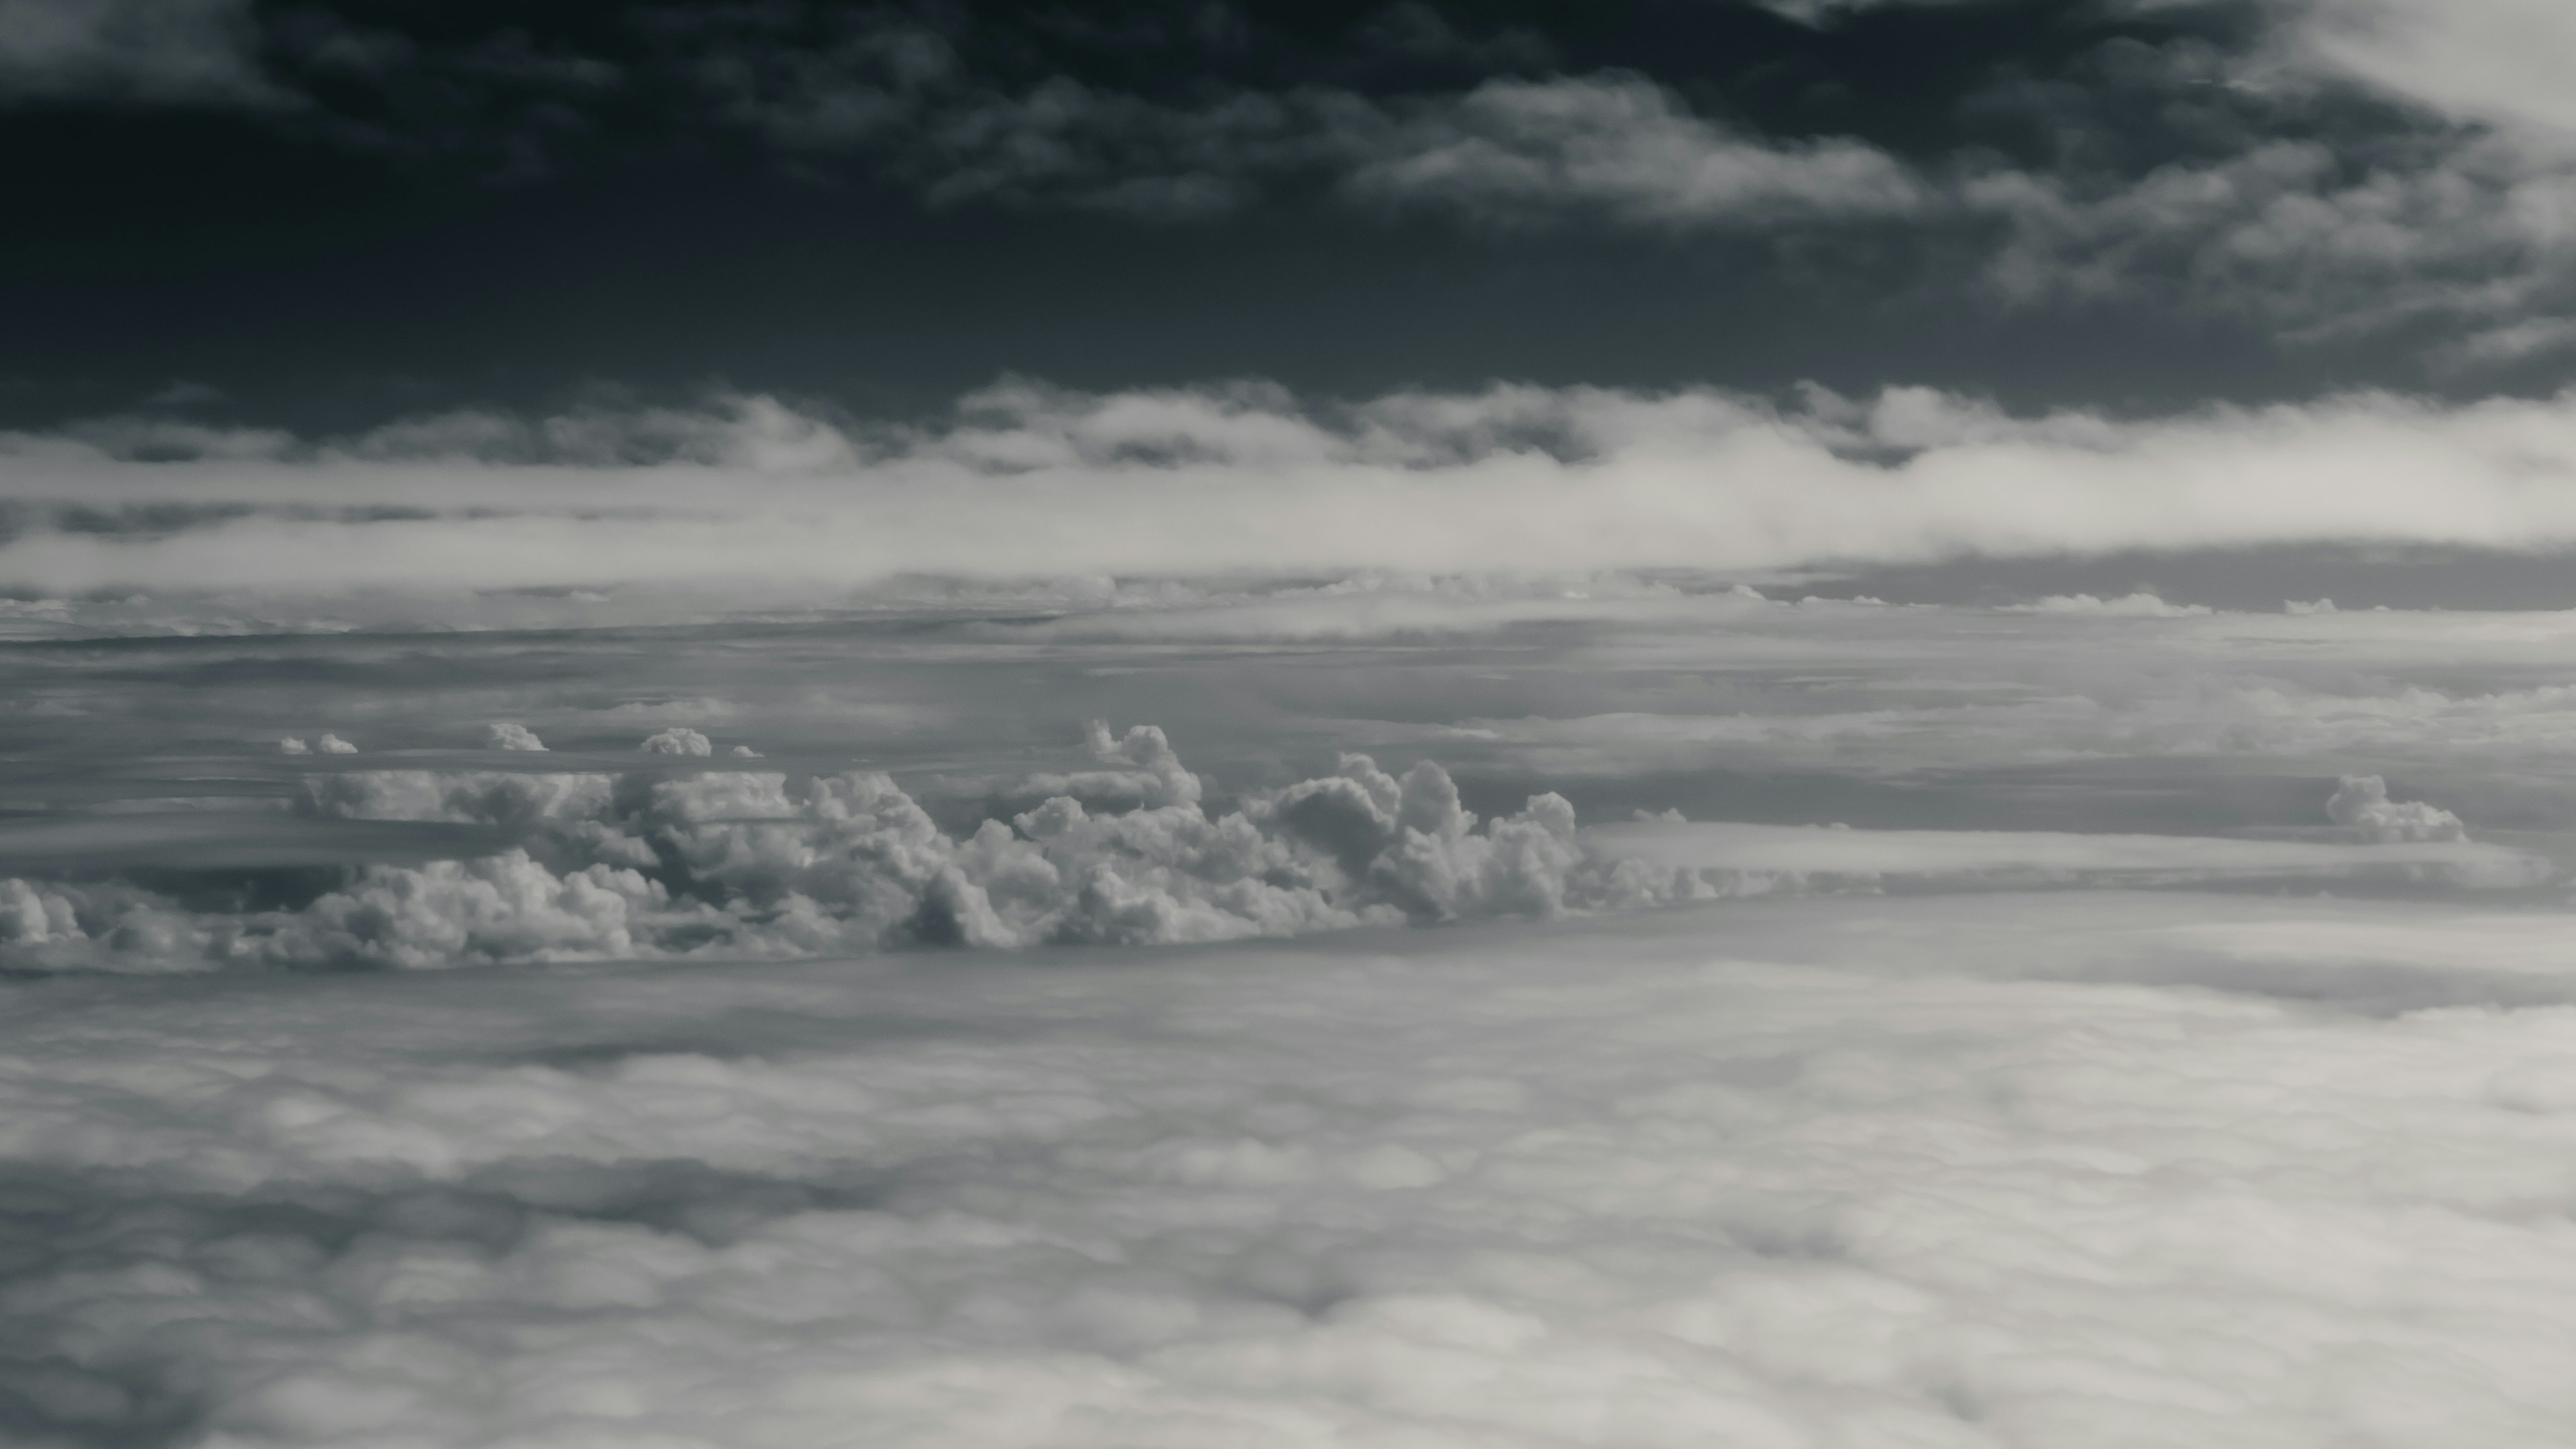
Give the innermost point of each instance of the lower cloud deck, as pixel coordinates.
(2001, 1169)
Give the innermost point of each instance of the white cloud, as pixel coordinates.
(2361, 804)
(2489, 60)
(754, 863)
(2138, 605)
(757, 863)
(331, 744)
(293, 746)
(677, 740)
(1952, 1173)
(1032, 482)
(510, 736)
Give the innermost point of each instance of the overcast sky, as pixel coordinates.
(325, 215)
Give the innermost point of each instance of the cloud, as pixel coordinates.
(2488, 60)
(1623, 147)
(2361, 804)
(2139, 605)
(677, 740)
(1032, 482)
(167, 52)
(1778, 1174)
(755, 863)
(331, 744)
(762, 864)
(2286, 174)
(509, 736)
(2409, 844)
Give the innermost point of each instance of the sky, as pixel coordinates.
(324, 217)
(1804, 723)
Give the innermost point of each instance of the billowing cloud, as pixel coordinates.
(677, 740)
(512, 736)
(2361, 804)
(757, 863)
(2139, 605)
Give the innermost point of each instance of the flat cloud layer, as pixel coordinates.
(1025, 481)
(2000, 1171)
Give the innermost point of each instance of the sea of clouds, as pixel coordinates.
(1970, 1170)
(1576, 1010)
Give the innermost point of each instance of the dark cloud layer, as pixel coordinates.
(326, 215)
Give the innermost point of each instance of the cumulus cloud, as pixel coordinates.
(1029, 481)
(293, 746)
(677, 740)
(331, 744)
(2138, 605)
(753, 863)
(508, 736)
(2360, 803)
(758, 863)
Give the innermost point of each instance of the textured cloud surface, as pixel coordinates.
(754, 863)
(743, 863)
(2004, 1171)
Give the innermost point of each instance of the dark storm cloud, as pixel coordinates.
(2055, 202)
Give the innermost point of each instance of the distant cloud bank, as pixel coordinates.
(1028, 481)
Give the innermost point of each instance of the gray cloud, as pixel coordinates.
(139, 51)
(2489, 60)
(512, 736)
(762, 864)
(2349, 172)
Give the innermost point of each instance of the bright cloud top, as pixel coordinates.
(743, 863)
(1026, 481)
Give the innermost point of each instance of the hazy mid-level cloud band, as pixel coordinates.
(1032, 482)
